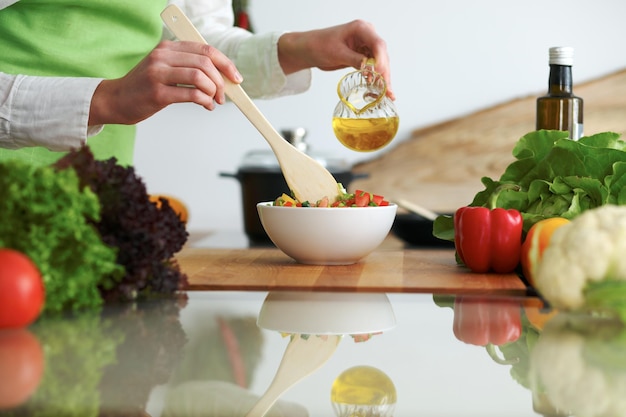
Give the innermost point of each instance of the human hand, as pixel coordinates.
(164, 77)
(336, 47)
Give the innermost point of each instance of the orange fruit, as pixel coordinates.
(176, 204)
(537, 240)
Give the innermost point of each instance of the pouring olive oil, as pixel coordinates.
(365, 119)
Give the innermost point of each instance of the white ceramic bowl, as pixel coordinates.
(321, 313)
(326, 235)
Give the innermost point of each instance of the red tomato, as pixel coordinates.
(361, 198)
(21, 289)
(364, 199)
(21, 366)
(377, 199)
(349, 203)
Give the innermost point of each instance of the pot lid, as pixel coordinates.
(265, 159)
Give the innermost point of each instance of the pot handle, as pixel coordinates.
(230, 175)
(360, 175)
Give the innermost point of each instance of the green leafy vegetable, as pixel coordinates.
(606, 296)
(91, 229)
(556, 176)
(49, 217)
(146, 235)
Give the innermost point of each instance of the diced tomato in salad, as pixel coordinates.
(359, 198)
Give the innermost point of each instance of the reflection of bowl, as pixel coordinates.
(326, 236)
(326, 313)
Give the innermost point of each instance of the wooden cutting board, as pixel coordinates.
(396, 270)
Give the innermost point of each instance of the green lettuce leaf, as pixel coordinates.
(606, 297)
(553, 176)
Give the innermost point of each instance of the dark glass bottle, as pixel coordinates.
(560, 109)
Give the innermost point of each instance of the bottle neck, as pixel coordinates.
(560, 82)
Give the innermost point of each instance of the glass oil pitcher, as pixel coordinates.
(365, 119)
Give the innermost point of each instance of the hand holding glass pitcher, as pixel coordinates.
(365, 119)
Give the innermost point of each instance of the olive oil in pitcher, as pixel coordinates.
(365, 134)
(365, 119)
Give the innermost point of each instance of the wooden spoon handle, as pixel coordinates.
(241, 99)
(417, 209)
(307, 179)
(180, 25)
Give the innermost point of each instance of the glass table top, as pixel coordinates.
(216, 354)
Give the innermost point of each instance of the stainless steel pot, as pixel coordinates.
(261, 179)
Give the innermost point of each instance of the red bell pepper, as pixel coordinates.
(482, 321)
(488, 239)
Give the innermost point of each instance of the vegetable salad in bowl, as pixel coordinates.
(328, 237)
(359, 198)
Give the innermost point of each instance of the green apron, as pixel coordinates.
(79, 38)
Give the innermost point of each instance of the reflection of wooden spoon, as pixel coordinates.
(306, 178)
(303, 356)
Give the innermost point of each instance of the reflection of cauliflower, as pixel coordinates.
(578, 363)
(585, 261)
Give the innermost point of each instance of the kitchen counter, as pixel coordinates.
(416, 333)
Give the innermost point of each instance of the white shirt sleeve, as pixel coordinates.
(52, 112)
(255, 55)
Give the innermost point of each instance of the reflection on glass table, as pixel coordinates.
(315, 323)
(363, 391)
(578, 366)
(327, 313)
(311, 324)
(90, 364)
(209, 356)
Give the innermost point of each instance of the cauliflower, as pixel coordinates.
(584, 266)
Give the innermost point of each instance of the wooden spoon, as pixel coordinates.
(303, 356)
(307, 179)
(417, 209)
